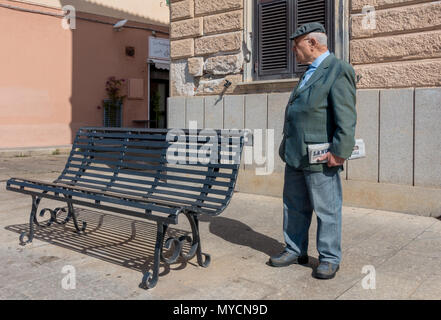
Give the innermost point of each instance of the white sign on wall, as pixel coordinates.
(159, 48)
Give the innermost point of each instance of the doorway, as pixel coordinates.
(159, 92)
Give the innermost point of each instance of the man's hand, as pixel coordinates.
(333, 160)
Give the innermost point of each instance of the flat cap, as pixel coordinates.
(308, 28)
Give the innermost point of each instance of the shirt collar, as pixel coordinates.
(320, 59)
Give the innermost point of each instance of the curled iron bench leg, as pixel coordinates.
(53, 219)
(150, 279)
(71, 214)
(194, 222)
(194, 241)
(32, 220)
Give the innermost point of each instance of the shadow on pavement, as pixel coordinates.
(131, 243)
(118, 240)
(241, 234)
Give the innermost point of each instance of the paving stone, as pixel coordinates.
(429, 289)
(410, 264)
(403, 248)
(386, 287)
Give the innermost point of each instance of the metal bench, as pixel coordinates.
(154, 174)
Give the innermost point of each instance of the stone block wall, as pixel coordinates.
(398, 45)
(398, 96)
(206, 46)
(400, 128)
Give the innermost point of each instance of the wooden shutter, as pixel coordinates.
(314, 11)
(275, 21)
(273, 48)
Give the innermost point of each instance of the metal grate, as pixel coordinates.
(112, 114)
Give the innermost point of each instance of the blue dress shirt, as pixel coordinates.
(312, 67)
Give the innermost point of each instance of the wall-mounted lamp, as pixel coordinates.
(119, 25)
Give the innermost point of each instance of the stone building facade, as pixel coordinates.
(395, 49)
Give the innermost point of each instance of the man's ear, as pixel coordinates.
(313, 42)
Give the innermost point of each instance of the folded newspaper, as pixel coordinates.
(315, 151)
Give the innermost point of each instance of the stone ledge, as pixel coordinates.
(278, 81)
(267, 86)
(34, 151)
(421, 201)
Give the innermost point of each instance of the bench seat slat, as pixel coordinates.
(97, 196)
(123, 189)
(122, 142)
(87, 156)
(167, 176)
(98, 134)
(162, 206)
(158, 183)
(153, 190)
(168, 168)
(164, 143)
(161, 160)
(169, 219)
(163, 152)
(167, 185)
(153, 133)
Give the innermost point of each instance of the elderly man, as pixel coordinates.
(321, 109)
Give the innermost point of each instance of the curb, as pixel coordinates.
(37, 151)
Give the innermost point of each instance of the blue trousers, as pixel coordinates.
(303, 193)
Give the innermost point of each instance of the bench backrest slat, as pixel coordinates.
(160, 164)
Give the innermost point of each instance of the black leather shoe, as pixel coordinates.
(326, 270)
(286, 258)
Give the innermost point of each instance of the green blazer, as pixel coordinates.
(323, 110)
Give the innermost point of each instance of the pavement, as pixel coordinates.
(386, 255)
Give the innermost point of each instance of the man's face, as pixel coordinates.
(302, 48)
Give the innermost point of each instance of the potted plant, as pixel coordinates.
(159, 114)
(113, 104)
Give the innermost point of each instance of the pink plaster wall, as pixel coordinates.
(53, 80)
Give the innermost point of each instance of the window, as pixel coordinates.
(274, 22)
